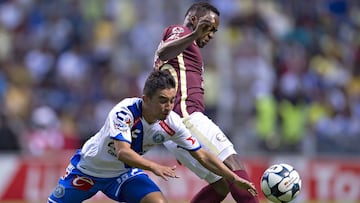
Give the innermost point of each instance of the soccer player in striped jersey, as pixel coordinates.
(111, 160)
(179, 52)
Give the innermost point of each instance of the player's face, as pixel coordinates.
(214, 19)
(162, 103)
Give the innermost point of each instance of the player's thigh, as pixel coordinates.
(210, 135)
(140, 188)
(70, 195)
(74, 188)
(190, 162)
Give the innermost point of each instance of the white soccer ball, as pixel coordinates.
(280, 183)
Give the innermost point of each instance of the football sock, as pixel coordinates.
(240, 195)
(208, 195)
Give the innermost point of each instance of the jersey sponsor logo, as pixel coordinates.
(158, 138)
(59, 191)
(192, 139)
(111, 149)
(221, 137)
(82, 182)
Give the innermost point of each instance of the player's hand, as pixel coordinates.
(203, 27)
(246, 185)
(165, 171)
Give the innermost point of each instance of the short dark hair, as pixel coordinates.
(201, 8)
(158, 80)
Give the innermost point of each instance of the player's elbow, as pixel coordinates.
(167, 52)
(163, 55)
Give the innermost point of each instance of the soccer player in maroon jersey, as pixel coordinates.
(179, 52)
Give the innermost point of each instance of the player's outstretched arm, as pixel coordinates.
(130, 157)
(214, 164)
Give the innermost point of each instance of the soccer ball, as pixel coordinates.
(280, 183)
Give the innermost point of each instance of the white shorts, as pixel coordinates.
(211, 138)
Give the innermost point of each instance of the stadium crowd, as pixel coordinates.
(283, 74)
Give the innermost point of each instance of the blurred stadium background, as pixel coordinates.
(282, 80)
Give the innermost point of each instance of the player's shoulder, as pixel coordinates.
(123, 114)
(177, 29)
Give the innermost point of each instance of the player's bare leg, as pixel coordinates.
(154, 197)
(235, 164)
(217, 192)
(213, 193)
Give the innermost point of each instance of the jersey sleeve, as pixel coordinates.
(175, 32)
(182, 137)
(120, 124)
(170, 33)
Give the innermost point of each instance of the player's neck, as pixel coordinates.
(147, 117)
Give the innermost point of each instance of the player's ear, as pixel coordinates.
(193, 19)
(145, 98)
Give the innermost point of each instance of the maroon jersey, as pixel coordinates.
(187, 68)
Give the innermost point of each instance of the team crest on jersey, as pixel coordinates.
(59, 191)
(177, 30)
(158, 138)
